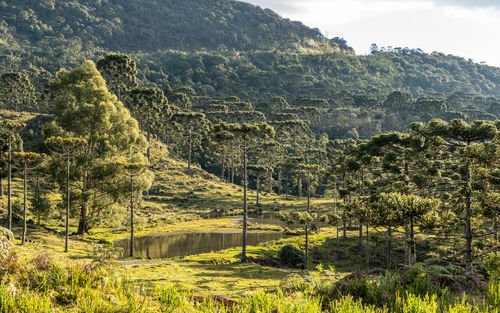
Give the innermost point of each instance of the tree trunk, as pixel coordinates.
(190, 147)
(258, 189)
(468, 214)
(279, 182)
(270, 182)
(222, 166)
(245, 208)
(413, 247)
(9, 185)
(286, 190)
(83, 225)
(1, 187)
(367, 246)
(149, 146)
(66, 242)
(495, 230)
(307, 223)
(360, 239)
(131, 215)
(23, 238)
(344, 222)
(300, 187)
(232, 173)
(38, 198)
(389, 248)
(408, 246)
(306, 261)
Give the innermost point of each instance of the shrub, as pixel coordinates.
(295, 282)
(170, 299)
(494, 293)
(492, 265)
(291, 256)
(415, 304)
(42, 263)
(9, 262)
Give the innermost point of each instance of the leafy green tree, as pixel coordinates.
(398, 100)
(119, 71)
(86, 110)
(273, 106)
(246, 135)
(16, 92)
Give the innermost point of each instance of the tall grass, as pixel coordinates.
(42, 285)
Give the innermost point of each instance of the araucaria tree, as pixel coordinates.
(10, 135)
(66, 148)
(132, 170)
(147, 105)
(246, 135)
(84, 108)
(458, 137)
(27, 160)
(119, 71)
(193, 126)
(16, 92)
(410, 211)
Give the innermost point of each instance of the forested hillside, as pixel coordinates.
(221, 48)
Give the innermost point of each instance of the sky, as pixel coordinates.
(467, 28)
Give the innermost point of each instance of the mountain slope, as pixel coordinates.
(78, 26)
(220, 48)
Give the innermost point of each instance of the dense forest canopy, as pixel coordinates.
(220, 48)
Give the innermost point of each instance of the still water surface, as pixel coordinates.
(175, 244)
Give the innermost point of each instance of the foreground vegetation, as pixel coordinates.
(42, 284)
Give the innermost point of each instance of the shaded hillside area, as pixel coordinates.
(221, 48)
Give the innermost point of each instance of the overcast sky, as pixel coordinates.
(467, 28)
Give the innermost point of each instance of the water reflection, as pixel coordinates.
(174, 244)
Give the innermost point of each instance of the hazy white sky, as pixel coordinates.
(467, 28)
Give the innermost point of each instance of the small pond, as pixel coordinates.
(179, 244)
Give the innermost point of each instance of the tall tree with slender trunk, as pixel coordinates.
(246, 135)
(66, 148)
(194, 125)
(10, 135)
(259, 171)
(150, 107)
(132, 170)
(410, 211)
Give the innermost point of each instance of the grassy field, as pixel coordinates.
(194, 200)
(180, 200)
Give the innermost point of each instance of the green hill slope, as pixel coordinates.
(222, 47)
